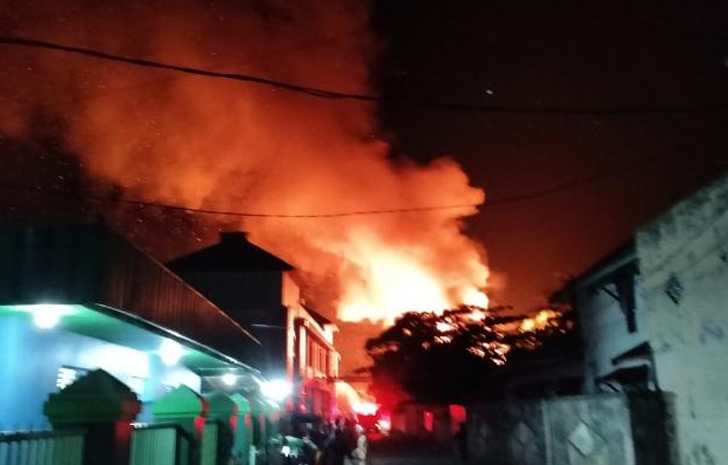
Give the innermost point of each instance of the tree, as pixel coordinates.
(455, 356)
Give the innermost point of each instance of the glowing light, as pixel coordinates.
(476, 315)
(47, 316)
(277, 389)
(229, 379)
(477, 351)
(444, 327)
(170, 352)
(474, 298)
(395, 284)
(540, 321)
(123, 362)
(365, 408)
(384, 424)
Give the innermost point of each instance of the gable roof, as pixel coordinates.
(625, 256)
(234, 252)
(318, 318)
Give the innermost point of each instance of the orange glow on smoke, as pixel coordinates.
(170, 138)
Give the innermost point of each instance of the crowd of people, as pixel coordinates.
(341, 443)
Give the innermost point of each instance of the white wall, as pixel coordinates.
(605, 332)
(30, 358)
(690, 337)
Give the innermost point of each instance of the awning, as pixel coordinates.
(128, 330)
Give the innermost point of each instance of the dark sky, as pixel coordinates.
(624, 169)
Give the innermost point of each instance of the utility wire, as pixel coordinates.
(233, 213)
(495, 202)
(337, 95)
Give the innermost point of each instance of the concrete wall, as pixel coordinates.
(685, 253)
(600, 314)
(30, 359)
(580, 430)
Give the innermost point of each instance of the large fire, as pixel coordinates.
(191, 141)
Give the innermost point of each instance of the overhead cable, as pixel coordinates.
(643, 110)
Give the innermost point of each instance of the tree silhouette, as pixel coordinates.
(456, 356)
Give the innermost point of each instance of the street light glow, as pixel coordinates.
(229, 379)
(47, 316)
(170, 352)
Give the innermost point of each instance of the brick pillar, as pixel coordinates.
(104, 407)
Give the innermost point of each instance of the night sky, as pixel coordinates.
(622, 169)
(604, 174)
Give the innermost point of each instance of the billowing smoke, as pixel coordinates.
(204, 143)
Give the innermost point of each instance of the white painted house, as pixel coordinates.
(654, 316)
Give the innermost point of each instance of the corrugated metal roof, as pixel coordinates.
(89, 264)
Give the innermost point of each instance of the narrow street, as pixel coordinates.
(400, 453)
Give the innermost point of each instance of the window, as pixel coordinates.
(67, 375)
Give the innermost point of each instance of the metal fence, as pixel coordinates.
(42, 448)
(161, 444)
(210, 443)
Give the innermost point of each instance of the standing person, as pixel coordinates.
(359, 454)
(320, 437)
(462, 442)
(338, 448)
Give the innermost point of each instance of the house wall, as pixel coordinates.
(686, 252)
(237, 292)
(605, 332)
(605, 429)
(30, 359)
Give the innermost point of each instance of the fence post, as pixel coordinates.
(224, 409)
(187, 409)
(259, 428)
(243, 429)
(104, 407)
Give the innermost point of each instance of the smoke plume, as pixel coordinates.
(205, 143)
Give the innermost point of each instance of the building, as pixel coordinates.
(613, 322)
(76, 298)
(255, 289)
(655, 317)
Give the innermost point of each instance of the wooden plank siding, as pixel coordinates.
(88, 264)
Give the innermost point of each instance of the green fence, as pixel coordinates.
(160, 444)
(42, 448)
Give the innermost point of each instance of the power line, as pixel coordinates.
(337, 95)
(572, 184)
(144, 203)
(495, 202)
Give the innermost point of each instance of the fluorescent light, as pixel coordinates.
(170, 352)
(229, 379)
(46, 316)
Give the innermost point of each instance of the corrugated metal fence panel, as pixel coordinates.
(42, 448)
(154, 446)
(209, 443)
(137, 284)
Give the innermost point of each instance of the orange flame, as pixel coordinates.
(214, 144)
(539, 321)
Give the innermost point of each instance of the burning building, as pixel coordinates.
(255, 289)
(294, 166)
